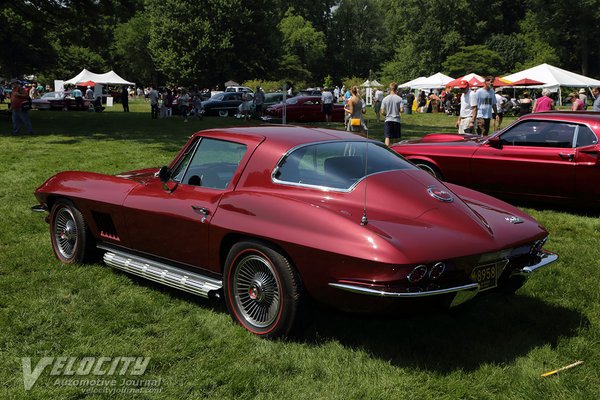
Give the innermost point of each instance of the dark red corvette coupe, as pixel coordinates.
(304, 109)
(269, 216)
(552, 156)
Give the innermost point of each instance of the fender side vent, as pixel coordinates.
(105, 225)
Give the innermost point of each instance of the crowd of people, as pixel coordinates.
(478, 109)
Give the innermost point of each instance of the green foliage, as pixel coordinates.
(211, 41)
(477, 58)
(303, 47)
(358, 39)
(267, 86)
(185, 42)
(131, 49)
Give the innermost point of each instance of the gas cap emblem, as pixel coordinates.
(440, 194)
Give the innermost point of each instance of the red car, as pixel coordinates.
(58, 101)
(551, 156)
(304, 109)
(269, 216)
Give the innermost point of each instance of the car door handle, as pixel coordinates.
(567, 156)
(201, 210)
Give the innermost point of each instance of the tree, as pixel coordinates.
(303, 47)
(213, 40)
(358, 39)
(476, 58)
(132, 56)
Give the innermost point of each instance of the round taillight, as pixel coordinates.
(437, 270)
(417, 274)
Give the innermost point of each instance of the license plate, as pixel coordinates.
(486, 275)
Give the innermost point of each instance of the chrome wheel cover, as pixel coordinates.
(256, 291)
(65, 233)
(427, 168)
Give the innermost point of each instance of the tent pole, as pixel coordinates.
(559, 96)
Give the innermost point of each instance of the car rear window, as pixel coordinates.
(336, 165)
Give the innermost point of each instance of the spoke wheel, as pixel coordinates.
(429, 168)
(65, 233)
(257, 290)
(262, 289)
(69, 233)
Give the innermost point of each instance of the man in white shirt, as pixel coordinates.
(377, 100)
(485, 106)
(500, 100)
(464, 123)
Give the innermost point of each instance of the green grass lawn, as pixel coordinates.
(496, 347)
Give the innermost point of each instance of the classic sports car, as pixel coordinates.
(304, 109)
(268, 216)
(58, 101)
(223, 104)
(550, 156)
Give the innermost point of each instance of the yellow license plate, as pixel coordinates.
(486, 276)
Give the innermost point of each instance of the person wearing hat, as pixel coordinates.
(583, 98)
(465, 123)
(20, 116)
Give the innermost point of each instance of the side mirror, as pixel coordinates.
(164, 174)
(495, 142)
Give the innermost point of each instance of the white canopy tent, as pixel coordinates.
(108, 78)
(415, 81)
(553, 78)
(369, 91)
(435, 81)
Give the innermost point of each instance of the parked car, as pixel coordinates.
(269, 216)
(270, 99)
(58, 101)
(310, 92)
(551, 156)
(223, 104)
(304, 109)
(244, 89)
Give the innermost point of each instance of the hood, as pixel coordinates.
(417, 214)
(140, 175)
(452, 138)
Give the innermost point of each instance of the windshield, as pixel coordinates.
(337, 165)
(292, 100)
(218, 96)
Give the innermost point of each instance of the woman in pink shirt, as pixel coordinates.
(576, 102)
(544, 103)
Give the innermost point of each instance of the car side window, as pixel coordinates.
(585, 137)
(540, 134)
(214, 163)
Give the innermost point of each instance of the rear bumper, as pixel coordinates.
(461, 293)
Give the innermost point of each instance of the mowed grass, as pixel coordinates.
(496, 347)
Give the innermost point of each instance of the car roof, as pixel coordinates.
(283, 137)
(588, 117)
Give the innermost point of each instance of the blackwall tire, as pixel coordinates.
(262, 289)
(69, 234)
